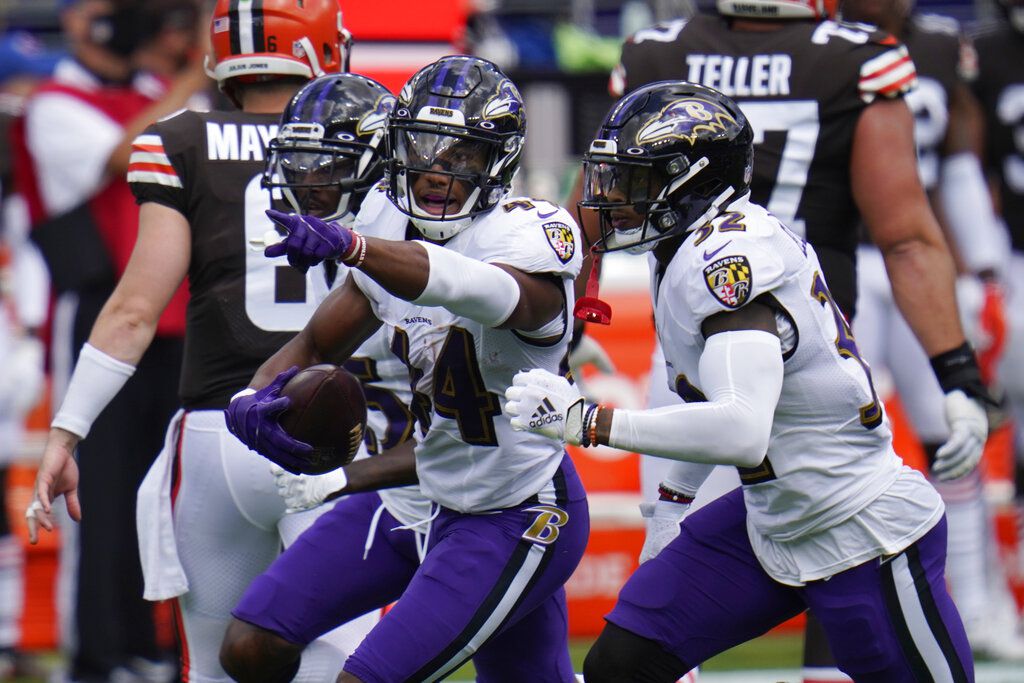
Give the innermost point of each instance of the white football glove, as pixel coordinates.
(663, 518)
(545, 403)
(968, 430)
(305, 491)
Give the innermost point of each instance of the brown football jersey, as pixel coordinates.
(802, 87)
(1000, 87)
(943, 57)
(243, 306)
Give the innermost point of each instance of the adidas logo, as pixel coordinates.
(545, 415)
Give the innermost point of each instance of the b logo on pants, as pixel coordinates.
(544, 529)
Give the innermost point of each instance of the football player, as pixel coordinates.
(1000, 88)
(329, 141)
(835, 146)
(828, 518)
(948, 122)
(209, 516)
(472, 285)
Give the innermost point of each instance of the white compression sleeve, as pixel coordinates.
(980, 238)
(94, 383)
(686, 477)
(467, 287)
(741, 375)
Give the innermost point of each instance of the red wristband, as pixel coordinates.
(665, 493)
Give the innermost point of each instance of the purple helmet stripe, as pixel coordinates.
(433, 100)
(325, 91)
(460, 83)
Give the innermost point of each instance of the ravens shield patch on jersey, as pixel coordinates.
(561, 239)
(729, 280)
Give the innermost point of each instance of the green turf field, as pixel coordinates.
(769, 652)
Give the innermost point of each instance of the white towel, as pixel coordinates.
(161, 568)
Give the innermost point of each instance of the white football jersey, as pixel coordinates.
(389, 420)
(830, 453)
(470, 459)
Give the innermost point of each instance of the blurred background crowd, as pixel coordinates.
(67, 226)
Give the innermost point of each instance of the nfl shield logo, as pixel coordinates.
(729, 280)
(561, 239)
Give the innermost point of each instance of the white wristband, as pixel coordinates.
(467, 287)
(94, 383)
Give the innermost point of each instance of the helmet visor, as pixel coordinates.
(628, 197)
(432, 151)
(298, 168)
(316, 180)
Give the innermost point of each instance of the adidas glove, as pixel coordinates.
(545, 403)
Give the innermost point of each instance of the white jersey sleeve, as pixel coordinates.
(731, 267)
(532, 235)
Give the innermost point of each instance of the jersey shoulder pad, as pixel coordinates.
(535, 236)
(888, 73)
(734, 266)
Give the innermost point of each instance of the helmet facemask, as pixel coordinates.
(327, 178)
(642, 200)
(442, 176)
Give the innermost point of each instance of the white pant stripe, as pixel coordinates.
(508, 601)
(917, 623)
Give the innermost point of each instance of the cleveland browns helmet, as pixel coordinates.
(255, 40)
(667, 159)
(329, 148)
(778, 9)
(459, 126)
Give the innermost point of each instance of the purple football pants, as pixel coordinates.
(887, 622)
(322, 580)
(490, 588)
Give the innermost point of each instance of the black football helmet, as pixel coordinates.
(666, 160)
(459, 125)
(329, 148)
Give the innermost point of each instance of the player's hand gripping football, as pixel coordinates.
(663, 519)
(306, 491)
(310, 240)
(543, 402)
(253, 416)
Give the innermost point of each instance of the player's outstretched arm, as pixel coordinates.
(426, 273)
(740, 372)
(491, 294)
(119, 338)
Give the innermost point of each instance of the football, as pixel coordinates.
(327, 411)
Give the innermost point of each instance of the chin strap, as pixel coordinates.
(590, 308)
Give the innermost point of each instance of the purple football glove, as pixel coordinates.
(309, 241)
(253, 419)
